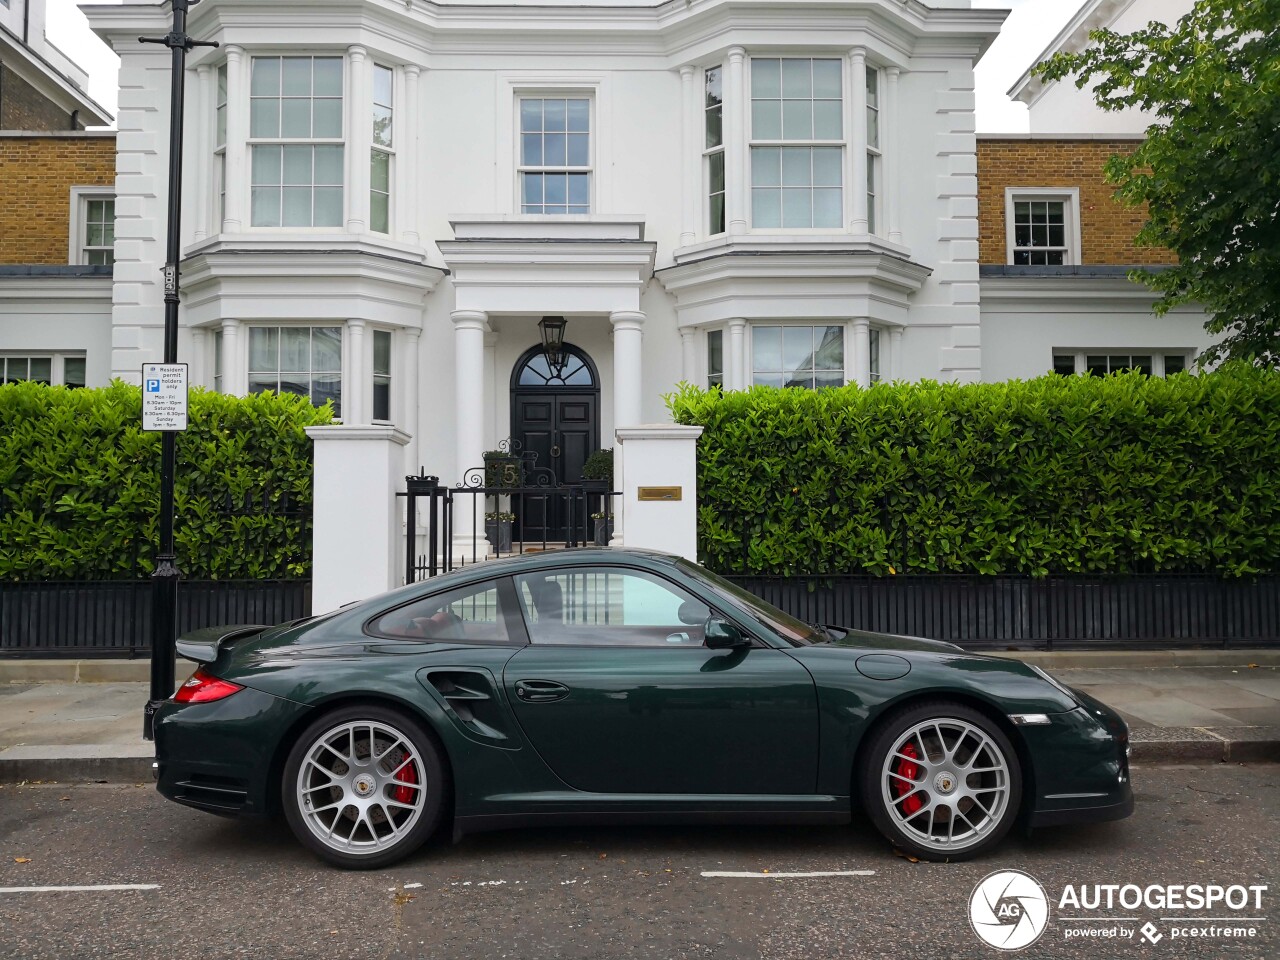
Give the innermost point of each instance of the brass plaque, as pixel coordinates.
(659, 493)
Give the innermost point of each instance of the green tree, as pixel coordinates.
(1209, 169)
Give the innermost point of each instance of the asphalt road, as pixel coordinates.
(245, 890)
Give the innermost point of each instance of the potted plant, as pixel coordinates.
(497, 527)
(597, 472)
(501, 469)
(604, 528)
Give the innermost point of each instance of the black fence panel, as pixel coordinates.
(112, 618)
(1158, 610)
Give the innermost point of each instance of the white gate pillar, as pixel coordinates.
(355, 517)
(469, 328)
(660, 460)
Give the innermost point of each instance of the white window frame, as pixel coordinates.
(843, 143)
(388, 149)
(77, 224)
(221, 81)
(57, 362)
(875, 165)
(389, 376)
(721, 150)
(344, 346)
(749, 361)
(1069, 197)
(1157, 355)
(343, 141)
(723, 375)
(590, 169)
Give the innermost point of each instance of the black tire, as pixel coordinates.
(409, 774)
(912, 804)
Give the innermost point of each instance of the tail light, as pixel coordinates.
(202, 688)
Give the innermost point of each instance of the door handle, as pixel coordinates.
(540, 691)
(555, 449)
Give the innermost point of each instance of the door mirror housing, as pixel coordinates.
(723, 635)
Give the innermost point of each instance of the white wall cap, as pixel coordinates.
(657, 431)
(355, 431)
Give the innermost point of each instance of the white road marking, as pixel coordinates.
(83, 889)
(788, 876)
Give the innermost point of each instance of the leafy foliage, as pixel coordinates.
(1209, 170)
(1058, 475)
(79, 485)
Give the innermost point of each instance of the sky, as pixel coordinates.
(1027, 31)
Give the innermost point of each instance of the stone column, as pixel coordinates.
(736, 157)
(735, 376)
(862, 352)
(235, 215)
(203, 158)
(691, 157)
(407, 160)
(628, 343)
(890, 119)
(408, 391)
(469, 328)
(688, 356)
(358, 386)
(359, 139)
(234, 371)
(858, 139)
(895, 353)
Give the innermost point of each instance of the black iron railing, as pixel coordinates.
(1153, 610)
(113, 617)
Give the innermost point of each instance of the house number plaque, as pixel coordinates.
(659, 493)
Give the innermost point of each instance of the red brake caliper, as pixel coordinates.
(406, 775)
(905, 768)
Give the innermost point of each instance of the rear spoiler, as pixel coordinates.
(202, 645)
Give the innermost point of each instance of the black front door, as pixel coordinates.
(557, 419)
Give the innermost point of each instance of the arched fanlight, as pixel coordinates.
(552, 330)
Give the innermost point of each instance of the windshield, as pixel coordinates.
(795, 632)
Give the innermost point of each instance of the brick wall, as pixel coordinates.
(1107, 228)
(22, 107)
(36, 177)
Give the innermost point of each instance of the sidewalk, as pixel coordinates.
(68, 720)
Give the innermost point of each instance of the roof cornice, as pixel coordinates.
(1092, 15)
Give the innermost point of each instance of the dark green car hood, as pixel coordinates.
(866, 640)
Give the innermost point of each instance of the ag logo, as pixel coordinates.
(1008, 910)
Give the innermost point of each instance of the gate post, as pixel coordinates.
(658, 479)
(356, 516)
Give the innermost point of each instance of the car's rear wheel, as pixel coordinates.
(941, 781)
(363, 787)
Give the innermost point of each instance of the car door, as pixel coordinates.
(618, 693)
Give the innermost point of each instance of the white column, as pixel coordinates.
(690, 157)
(359, 140)
(232, 375)
(890, 118)
(409, 394)
(491, 388)
(235, 217)
(736, 362)
(895, 353)
(858, 140)
(469, 328)
(199, 365)
(688, 356)
(666, 456)
(407, 160)
(736, 158)
(628, 344)
(862, 352)
(357, 385)
(203, 158)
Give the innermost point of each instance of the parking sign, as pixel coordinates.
(164, 396)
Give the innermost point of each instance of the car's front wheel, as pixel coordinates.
(363, 787)
(941, 781)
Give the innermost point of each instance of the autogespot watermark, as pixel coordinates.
(1009, 910)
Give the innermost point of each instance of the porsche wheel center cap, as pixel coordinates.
(363, 785)
(946, 781)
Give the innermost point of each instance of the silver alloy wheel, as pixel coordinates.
(945, 783)
(361, 787)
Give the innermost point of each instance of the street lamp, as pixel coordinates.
(164, 579)
(552, 330)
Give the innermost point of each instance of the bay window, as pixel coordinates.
(303, 360)
(797, 356)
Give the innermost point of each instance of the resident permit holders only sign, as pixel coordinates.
(164, 396)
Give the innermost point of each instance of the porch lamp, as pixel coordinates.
(552, 330)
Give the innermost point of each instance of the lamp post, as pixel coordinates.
(164, 580)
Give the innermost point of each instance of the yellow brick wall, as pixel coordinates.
(1107, 227)
(36, 177)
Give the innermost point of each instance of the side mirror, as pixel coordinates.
(723, 635)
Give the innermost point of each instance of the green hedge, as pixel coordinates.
(1119, 474)
(79, 485)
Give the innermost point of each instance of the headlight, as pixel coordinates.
(1058, 685)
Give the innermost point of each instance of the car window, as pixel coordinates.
(609, 606)
(795, 632)
(474, 612)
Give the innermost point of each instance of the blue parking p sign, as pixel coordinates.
(153, 386)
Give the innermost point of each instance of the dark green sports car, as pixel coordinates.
(622, 687)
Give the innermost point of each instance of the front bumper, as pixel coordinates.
(1080, 766)
(220, 757)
